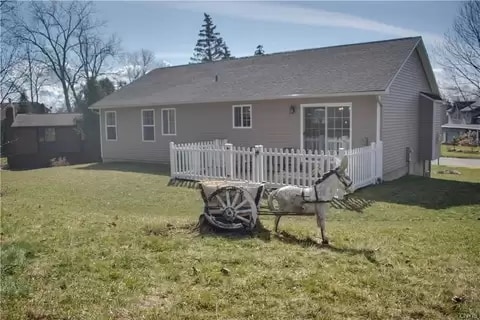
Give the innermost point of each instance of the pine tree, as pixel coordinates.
(23, 103)
(226, 54)
(210, 46)
(259, 51)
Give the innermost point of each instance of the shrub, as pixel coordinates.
(59, 162)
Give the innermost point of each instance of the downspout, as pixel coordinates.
(379, 118)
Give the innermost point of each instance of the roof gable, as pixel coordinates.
(348, 69)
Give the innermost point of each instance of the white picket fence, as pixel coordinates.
(272, 166)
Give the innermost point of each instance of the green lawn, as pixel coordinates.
(460, 152)
(115, 242)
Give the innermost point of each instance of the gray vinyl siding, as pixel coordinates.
(272, 126)
(400, 125)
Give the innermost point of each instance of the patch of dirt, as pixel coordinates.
(167, 229)
(448, 171)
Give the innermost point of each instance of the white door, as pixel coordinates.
(326, 127)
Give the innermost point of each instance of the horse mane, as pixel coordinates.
(325, 176)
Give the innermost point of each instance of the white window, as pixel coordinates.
(148, 125)
(242, 116)
(169, 122)
(111, 125)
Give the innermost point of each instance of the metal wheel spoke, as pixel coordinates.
(243, 219)
(243, 211)
(221, 201)
(215, 211)
(235, 199)
(241, 204)
(227, 196)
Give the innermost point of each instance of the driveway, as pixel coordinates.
(458, 162)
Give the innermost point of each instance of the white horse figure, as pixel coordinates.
(312, 200)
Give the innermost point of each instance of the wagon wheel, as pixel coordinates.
(231, 208)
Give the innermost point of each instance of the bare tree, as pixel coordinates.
(35, 74)
(51, 29)
(139, 63)
(11, 73)
(93, 53)
(460, 54)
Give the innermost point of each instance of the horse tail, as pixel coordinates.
(272, 196)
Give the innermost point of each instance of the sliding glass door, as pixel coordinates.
(326, 127)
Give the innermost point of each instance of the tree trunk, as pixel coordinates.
(67, 97)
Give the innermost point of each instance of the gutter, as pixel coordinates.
(290, 96)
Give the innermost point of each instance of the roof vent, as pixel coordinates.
(216, 78)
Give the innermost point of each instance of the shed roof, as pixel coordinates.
(362, 68)
(46, 120)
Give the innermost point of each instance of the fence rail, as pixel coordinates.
(272, 166)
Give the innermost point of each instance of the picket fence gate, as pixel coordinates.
(275, 167)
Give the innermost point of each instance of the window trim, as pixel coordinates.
(241, 116)
(175, 122)
(110, 125)
(148, 125)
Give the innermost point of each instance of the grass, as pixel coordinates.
(460, 152)
(115, 242)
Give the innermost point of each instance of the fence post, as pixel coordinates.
(341, 154)
(172, 159)
(373, 163)
(379, 161)
(259, 163)
(229, 160)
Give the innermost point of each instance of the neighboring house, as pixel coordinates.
(9, 110)
(38, 138)
(342, 96)
(463, 116)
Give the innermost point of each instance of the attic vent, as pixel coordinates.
(216, 78)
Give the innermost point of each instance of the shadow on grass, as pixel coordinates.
(191, 184)
(158, 169)
(309, 242)
(429, 193)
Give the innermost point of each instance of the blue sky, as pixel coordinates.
(170, 28)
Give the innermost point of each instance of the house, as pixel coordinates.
(463, 116)
(343, 96)
(9, 110)
(37, 138)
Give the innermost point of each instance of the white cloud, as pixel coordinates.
(275, 12)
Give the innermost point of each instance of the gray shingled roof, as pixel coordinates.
(46, 120)
(355, 68)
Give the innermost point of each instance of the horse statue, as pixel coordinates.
(312, 200)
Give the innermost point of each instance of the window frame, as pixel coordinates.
(111, 126)
(241, 106)
(326, 106)
(143, 125)
(174, 121)
(43, 135)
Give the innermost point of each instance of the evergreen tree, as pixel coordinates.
(259, 51)
(92, 91)
(23, 103)
(107, 86)
(226, 54)
(210, 46)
